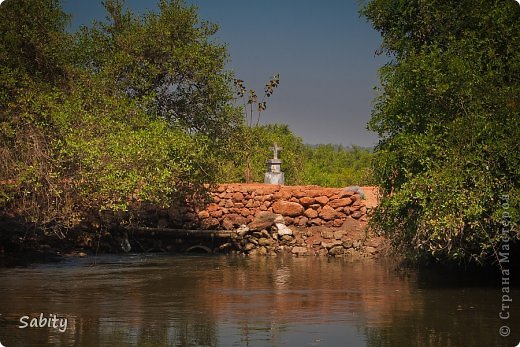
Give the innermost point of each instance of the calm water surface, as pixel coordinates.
(161, 300)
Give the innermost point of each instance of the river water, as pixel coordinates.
(162, 300)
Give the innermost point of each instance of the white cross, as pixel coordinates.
(275, 150)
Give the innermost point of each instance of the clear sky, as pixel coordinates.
(323, 51)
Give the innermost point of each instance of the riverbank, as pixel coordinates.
(248, 219)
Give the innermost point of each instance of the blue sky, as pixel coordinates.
(323, 51)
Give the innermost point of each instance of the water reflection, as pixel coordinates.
(157, 300)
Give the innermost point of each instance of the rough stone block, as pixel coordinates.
(328, 213)
(323, 200)
(286, 208)
(337, 250)
(340, 202)
(263, 220)
(327, 234)
(299, 250)
(307, 201)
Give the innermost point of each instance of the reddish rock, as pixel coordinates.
(310, 213)
(268, 197)
(203, 214)
(245, 212)
(212, 207)
(341, 215)
(299, 194)
(337, 222)
(268, 189)
(288, 220)
(216, 214)
(345, 193)
(286, 208)
(302, 221)
(328, 213)
(338, 235)
(286, 194)
(237, 197)
(340, 202)
(327, 233)
(316, 221)
(263, 220)
(354, 207)
(233, 220)
(243, 189)
(314, 193)
(323, 200)
(293, 199)
(306, 201)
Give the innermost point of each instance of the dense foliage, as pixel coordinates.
(134, 109)
(448, 119)
(337, 166)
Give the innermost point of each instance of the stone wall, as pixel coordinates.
(233, 205)
(266, 220)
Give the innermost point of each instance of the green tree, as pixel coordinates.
(448, 123)
(34, 61)
(136, 109)
(337, 166)
(167, 63)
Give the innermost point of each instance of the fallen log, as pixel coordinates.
(152, 232)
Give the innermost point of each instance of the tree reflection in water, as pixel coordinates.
(147, 300)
